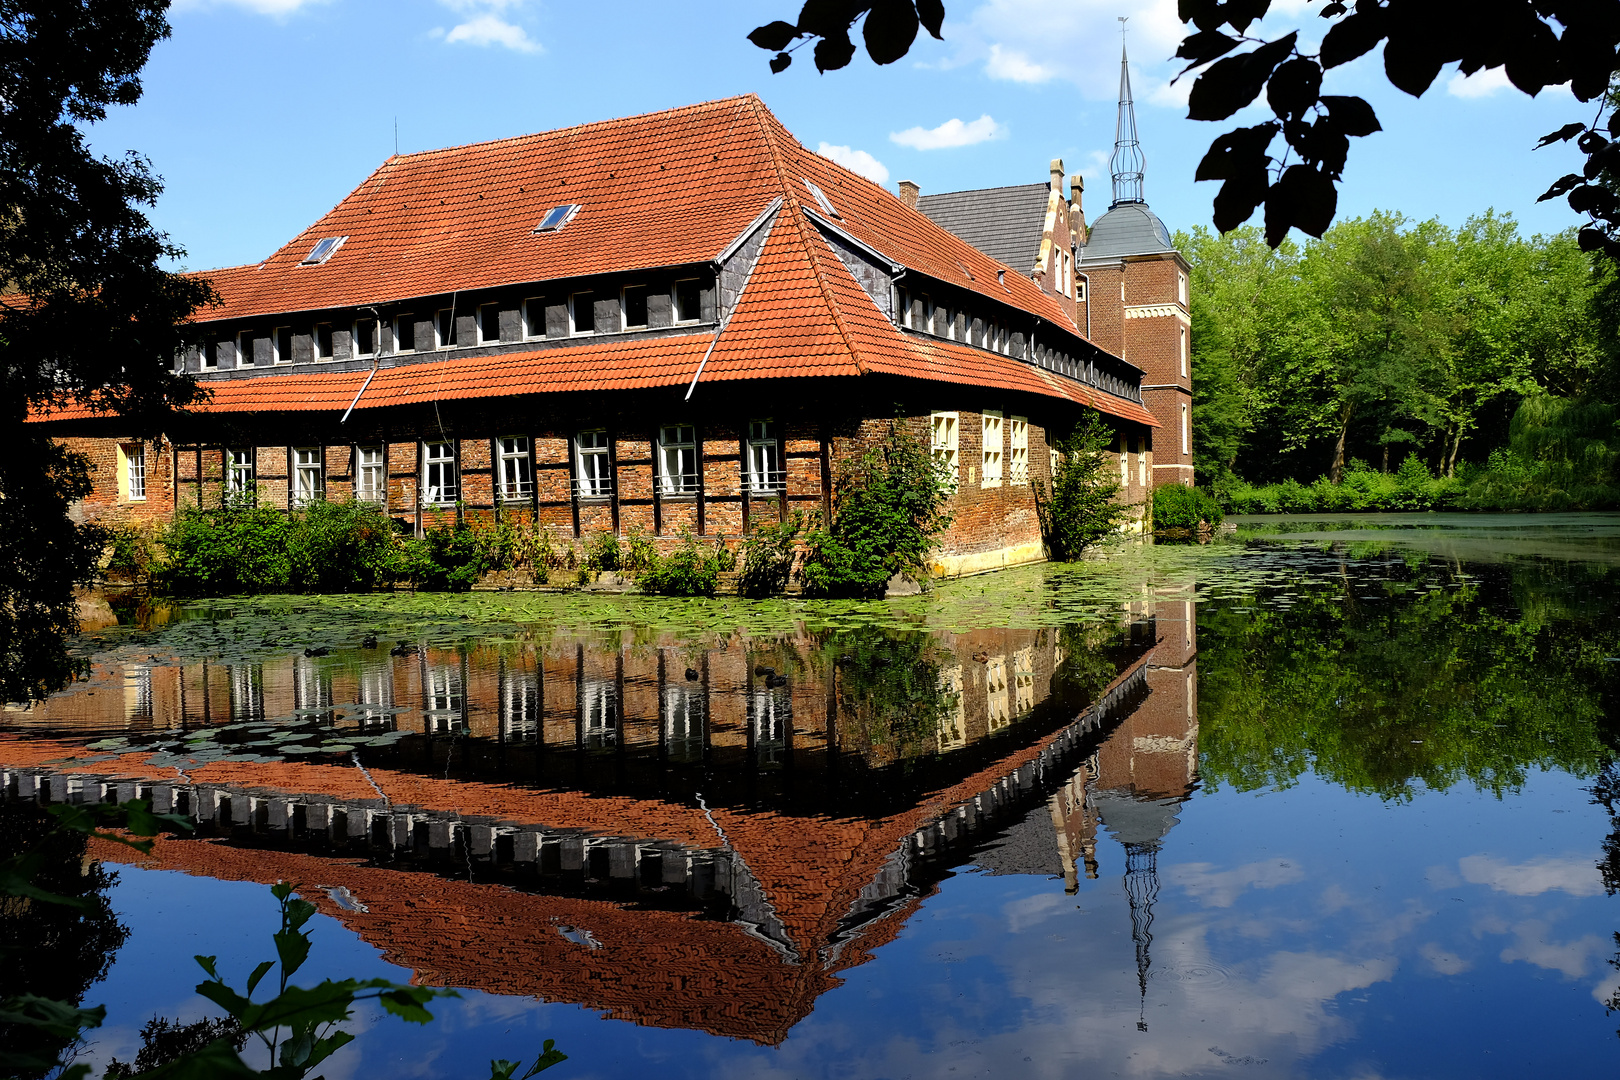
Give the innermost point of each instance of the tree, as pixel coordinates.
(1082, 507)
(1299, 187)
(88, 313)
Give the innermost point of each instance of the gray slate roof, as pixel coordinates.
(1004, 222)
(1127, 229)
(1029, 847)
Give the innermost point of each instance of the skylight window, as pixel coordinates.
(821, 198)
(323, 250)
(557, 217)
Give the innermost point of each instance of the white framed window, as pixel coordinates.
(991, 451)
(323, 341)
(443, 697)
(943, 439)
(688, 300)
(770, 716)
(247, 691)
(281, 345)
(444, 328)
(489, 324)
(1184, 431)
(1141, 460)
(239, 472)
(682, 709)
(902, 307)
(599, 712)
(363, 338)
(1018, 451)
(952, 731)
(998, 711)
(821, 197)
(376, 698)
(370, 476)
(308, 482)
(677, 459)
(404, 333)
(244, 349)
(581, 314)
(312, 685)
(950, 323)
(1124, 461)
(633, 306)
(137, 692)
(1023, 681)
(534, 318)
(593, 465)
(134, 455)
(1183, 352)
(516, 470)
(1181, 287)
(439, 480)
(208, 356)
(764, 457)
(520, 706)
(1080, 289)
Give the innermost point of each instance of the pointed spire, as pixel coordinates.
(1127, 163)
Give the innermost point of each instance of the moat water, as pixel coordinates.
(1332, 796)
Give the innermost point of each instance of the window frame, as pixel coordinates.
(484, 310)
(624, 308)
(946, 452)
(675, 300)
(302, 468)
(596, 483)
(531, 307)
(364, 492)
(1184, 357)
(450, 461)
(444, 329)
(767, 483)
(244, 357)
(404, 320)
(134, 471)
(208, 356)
(376, 339)
(1018, 451)
(573, 313)
(682, 484)
(278, 353)
(242, 478)
(988, 419)
(315, 343)
(516, 451)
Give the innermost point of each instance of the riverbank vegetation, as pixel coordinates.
(1399, 365)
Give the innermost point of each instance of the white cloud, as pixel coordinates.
(1573, 874)
(1219, 888)
(1444, 962)
(491, 29)
(1479, 84)
(951, 134)
(858, 161)
(1570, 957)
(1014, 66)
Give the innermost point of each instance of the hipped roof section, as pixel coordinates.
(665, 189)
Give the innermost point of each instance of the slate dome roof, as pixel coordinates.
(1127, 229)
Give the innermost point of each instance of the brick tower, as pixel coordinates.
(1133, 299)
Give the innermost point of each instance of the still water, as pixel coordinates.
(1325, 798)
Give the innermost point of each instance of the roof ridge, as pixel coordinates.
(570, 128)
(980, 191)
(793, 207)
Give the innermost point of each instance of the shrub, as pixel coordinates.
(1081, 508)
(640, 551)
(767, 556)
(339, 547)
(133, 551)
(687, 571)
(602, 552)
(456, 559)
(235, 548)
(888, 506)
(1183, 509)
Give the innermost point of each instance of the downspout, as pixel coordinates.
(376, 362)
(725, 320)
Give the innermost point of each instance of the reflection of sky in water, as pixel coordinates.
(1302, 932)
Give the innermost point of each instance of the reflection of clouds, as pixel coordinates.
(1443, 961)
(1220, 888)
(1027, 911)
(1532, 945)
(1576, 875)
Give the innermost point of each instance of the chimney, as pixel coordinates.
(1057, 176)
(909, 192)
(1077, 213)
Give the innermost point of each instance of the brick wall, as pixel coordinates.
(111, 501)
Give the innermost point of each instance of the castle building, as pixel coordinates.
(1126, 280)
(673, 323)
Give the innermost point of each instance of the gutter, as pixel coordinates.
(376, 361)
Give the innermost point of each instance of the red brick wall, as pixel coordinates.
(105, 505)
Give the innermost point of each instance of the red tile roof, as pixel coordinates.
(663, 189)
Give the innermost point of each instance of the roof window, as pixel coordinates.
(821, 198)
(323, 250)
(557, 217)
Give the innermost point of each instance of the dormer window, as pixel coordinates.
(489, 324)
(444, 329)
(281, 345)
(323, 341)
(323, 250)
(821, 198)
(557, 217)
(688, 300)
(635, 307)
(364, 337)
(581, 314)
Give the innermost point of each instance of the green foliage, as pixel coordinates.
(244, 548)
(602, 552)
(131, 550)
(767, 553)
(890, 689)
(1363, 489)
(1183, 509)
(888, 506)
(165, 1043)
(640, 550)
(1082, 507)
(689, 570)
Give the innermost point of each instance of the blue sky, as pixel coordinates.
(262, 114)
